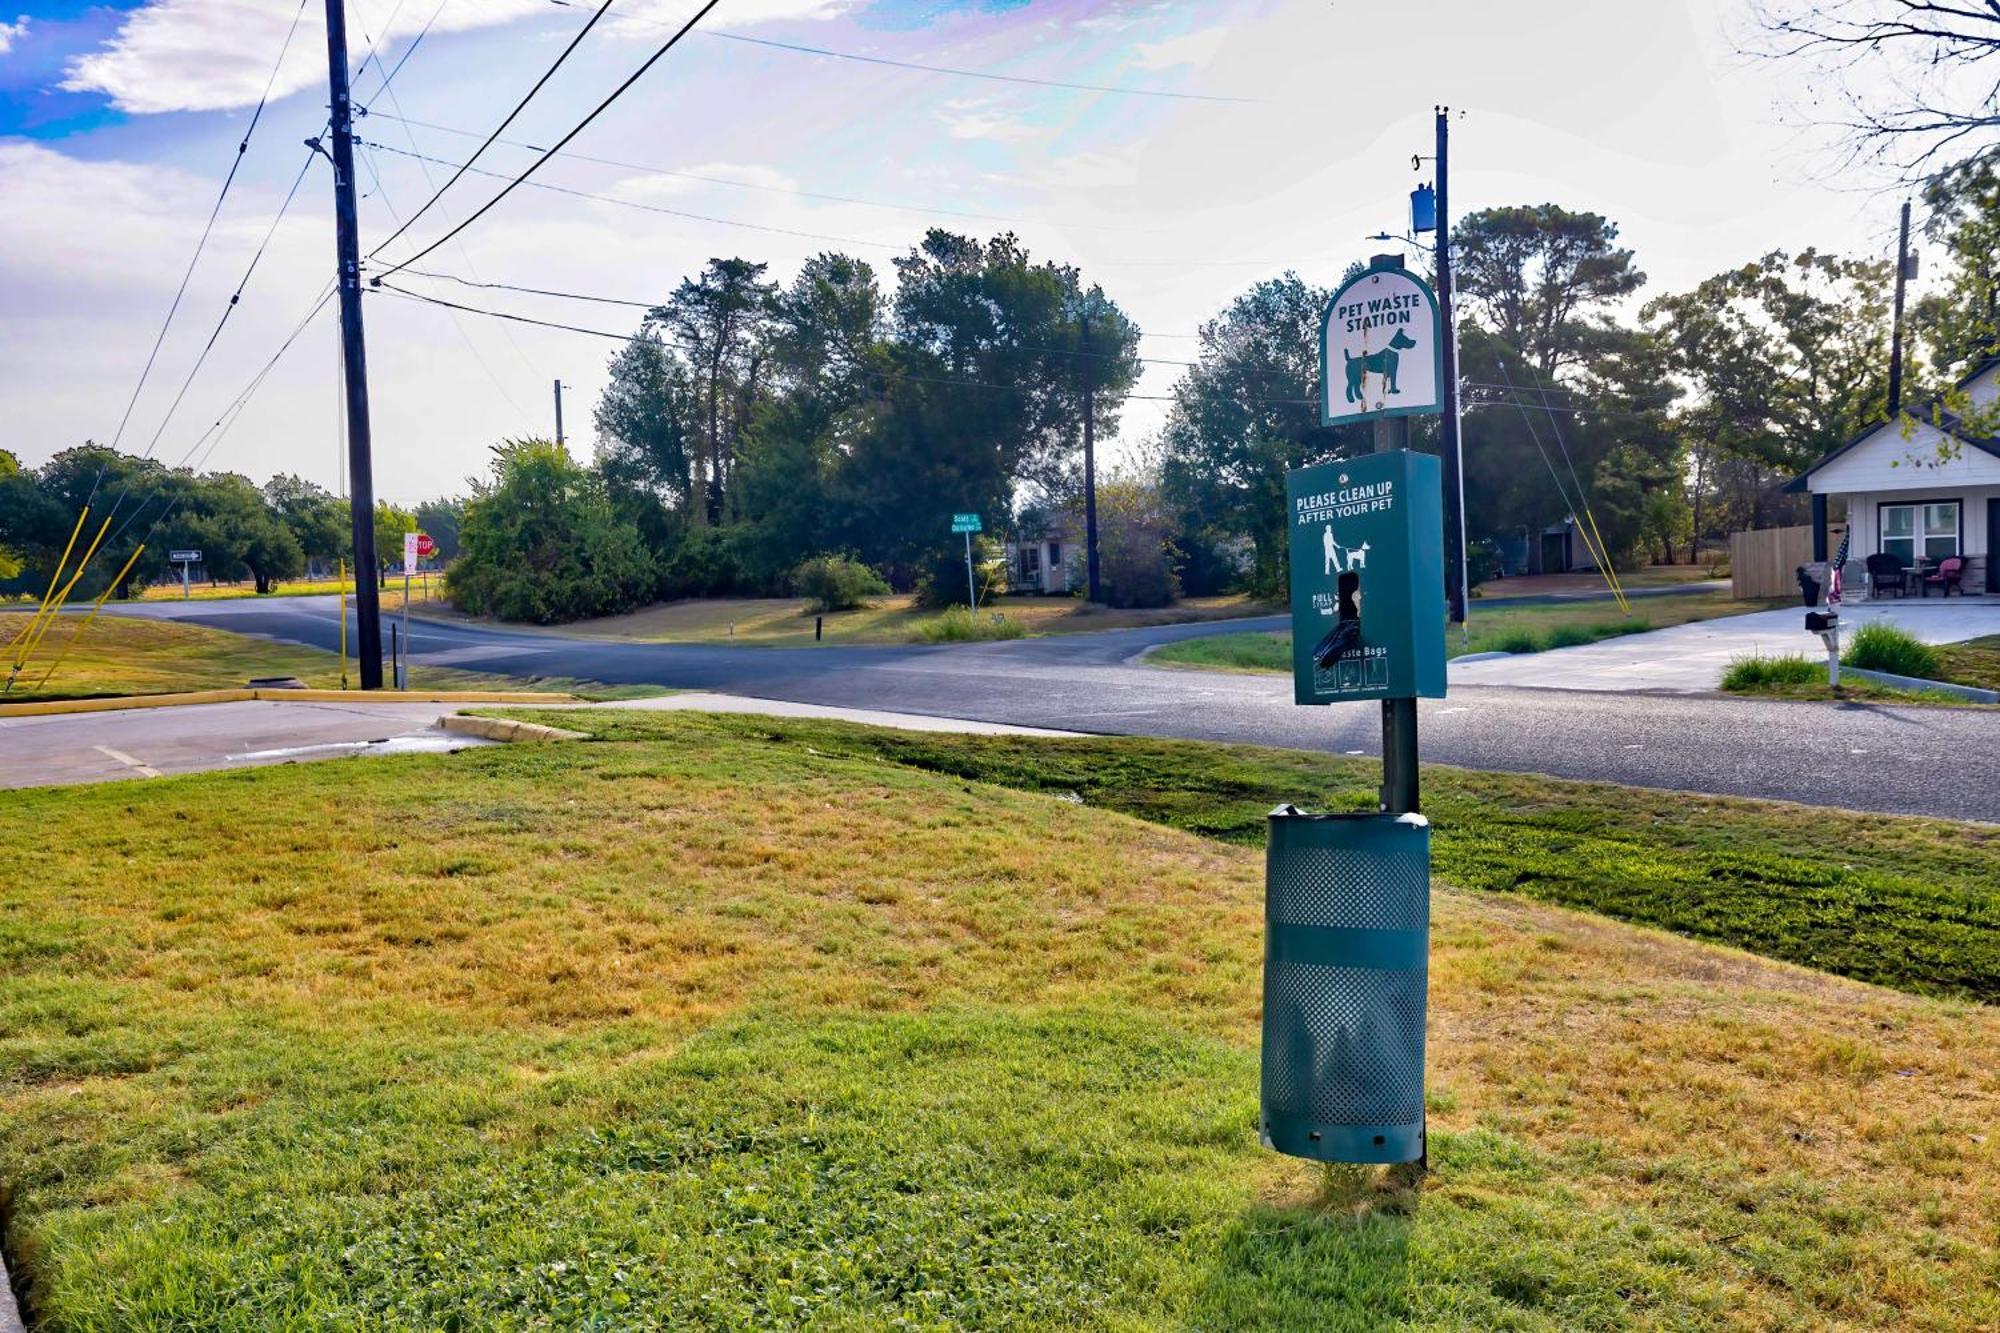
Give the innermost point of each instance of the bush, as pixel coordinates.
(837, 583)
(709, 562)
(1135, 551)
(1883, 647)
(1517, 641)
(1754, 673)
(960, 625)
(940, 577)
(542, 544)
(1482, 563)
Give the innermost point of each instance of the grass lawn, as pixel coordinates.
(724, 1029)
(423, 588)
(126, 655)
(1498, 627)
(1974, 662)
(784, 621)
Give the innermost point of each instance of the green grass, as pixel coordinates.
(1879, 646)
(959, 624)
(748, 1024)
(1895, 901)
(1975, 662)
(1755, 674)
(124, 655)
(1495, 628)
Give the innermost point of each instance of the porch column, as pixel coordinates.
(1819, 526)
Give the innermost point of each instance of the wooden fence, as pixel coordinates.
(1765, 563)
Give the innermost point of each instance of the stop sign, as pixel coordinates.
(426, 548)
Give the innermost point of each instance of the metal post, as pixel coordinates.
(403, 676)
(1451, 446)
(1896, 329)
(354, 357)
(971, 588)
(1399, 716)
(1090, 466)
(559, 429)
(184, 580)
(1819, 526)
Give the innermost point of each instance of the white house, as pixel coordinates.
(1921, 492)
(1047, 559)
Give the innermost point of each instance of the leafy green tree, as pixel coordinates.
(1543, 281)
(650, 427)
(718, 318)
(1136, 555)
(1244, 414)
(439, 519)
(541, 543)
(316, 516)
(1959, 320)
(239, 535)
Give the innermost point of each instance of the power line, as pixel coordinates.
(767, 227)
(767, 188)
(202, 243)
(597, 111)
(519, 107)
(989, 75)
(882, 374)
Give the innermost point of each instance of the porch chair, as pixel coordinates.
(1948, 574)
(1885, 571)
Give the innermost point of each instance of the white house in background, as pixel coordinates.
(1048, 559)
(1919, 491)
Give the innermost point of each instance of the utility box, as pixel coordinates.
(1368, 608)
(1346, 971)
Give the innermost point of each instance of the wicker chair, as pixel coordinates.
(1948, 575)
(1886, 571)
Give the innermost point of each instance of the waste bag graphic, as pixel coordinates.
(1346, 971)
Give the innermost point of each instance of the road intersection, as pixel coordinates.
(1907, 760)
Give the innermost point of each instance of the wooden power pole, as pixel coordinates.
(354, 356)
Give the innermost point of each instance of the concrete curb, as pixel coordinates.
(1971, 693)
(50, 708)
(10, 1315)
(503, 729)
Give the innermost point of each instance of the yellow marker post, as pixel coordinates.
(95, 608)
(54, 578)
(27, 650)
(342, 581)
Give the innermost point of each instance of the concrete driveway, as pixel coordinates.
(1690, 659)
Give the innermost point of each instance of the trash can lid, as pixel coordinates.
(1290, 811)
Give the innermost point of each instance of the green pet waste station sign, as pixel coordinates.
(1347, 896)
(1367, 579)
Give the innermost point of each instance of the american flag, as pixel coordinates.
(1833, 574)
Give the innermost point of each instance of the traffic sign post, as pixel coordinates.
(413, 547)
(968, 524)
(1347, 897)
(186, 560)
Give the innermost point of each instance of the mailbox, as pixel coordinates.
(1367, 568)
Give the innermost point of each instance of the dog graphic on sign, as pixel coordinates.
(1381, 363)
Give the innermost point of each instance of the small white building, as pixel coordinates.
(1919, 492)
(1048, 559)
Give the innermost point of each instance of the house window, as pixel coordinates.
(1031, 563)
(1921, 531)
(1055, 555)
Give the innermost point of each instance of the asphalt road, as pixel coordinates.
(1906, 760)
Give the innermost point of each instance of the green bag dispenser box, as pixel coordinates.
(1346, 971)
(1367, 578)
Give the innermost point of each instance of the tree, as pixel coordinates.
(541, 543)
(1782, 360)
(1959, 320)
(225, 516)
(391, 522)
(1916, 78)
(1135, 543)
(1542, 280)
(718, 317)
(317, 517)
(1244, 414)
(649, 437)
(439, 519)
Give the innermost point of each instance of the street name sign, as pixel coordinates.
(1367, 578)
(184, 557)
(1379, 348)
(965, 523)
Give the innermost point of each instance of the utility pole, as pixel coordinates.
(559, 433)
(1090, 465)
(1450, 446)
(1896, 332)
(354, 356)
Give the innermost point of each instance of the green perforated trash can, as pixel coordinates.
(1347, 912)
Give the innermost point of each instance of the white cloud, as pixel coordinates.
(1194, 48)
(975, 118)
(9, 31)
(214, 55)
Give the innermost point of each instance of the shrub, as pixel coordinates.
(541, 543)
(837, 583)
(1883, 647)
(1135, 550)
(1753, 673)
(940, 577)
(961, 625)
(1571, 636)
(1517, 641)
(709, 562)
(1482, 563)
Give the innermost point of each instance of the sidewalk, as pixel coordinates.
(1690, 659)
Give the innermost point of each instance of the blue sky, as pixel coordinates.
(117, 122)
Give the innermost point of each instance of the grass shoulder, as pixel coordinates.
(741, 1023)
